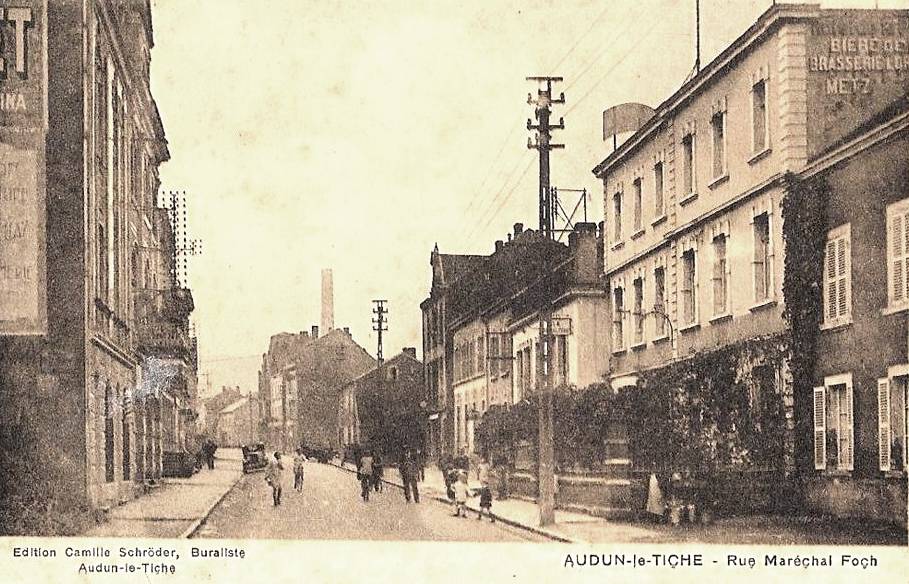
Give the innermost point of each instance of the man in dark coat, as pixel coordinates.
(409, 475)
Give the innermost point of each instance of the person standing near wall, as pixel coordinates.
(364, 474)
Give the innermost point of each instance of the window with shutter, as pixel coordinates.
(719, 275)
(898, 254)
(838, 278)
(836, 415)
(761, 262)
(820, 437)
(883, 423)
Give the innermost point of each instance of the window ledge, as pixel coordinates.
(836, 325)
(836, 473)
(689, 198)
(894, 309)
(690, 327)
(718, 181)
(894, 474)
(658, 220)
(639, 346)
(721, 318)
(637, 233)
(617, 245)
(758, 156)
(621, 351)
(762, 304)
(662, 339)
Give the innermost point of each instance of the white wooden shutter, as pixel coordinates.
(830, 281)
(820, 422)
(849, 430)
(843, 269)
(883, 423)
(898, 258)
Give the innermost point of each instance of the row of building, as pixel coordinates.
(761, 208)
(97, 360)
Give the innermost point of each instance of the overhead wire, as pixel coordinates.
(586, 67)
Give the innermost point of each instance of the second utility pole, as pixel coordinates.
(379, 324)
(546, 481)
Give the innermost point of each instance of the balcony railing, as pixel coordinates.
(163, 338)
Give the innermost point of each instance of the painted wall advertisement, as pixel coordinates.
(23, 128)
(858, 65)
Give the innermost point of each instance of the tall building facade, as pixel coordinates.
(698, 256)
(75, 396)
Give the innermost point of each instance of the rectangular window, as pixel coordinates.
(494, 355)
(759, 116)
(108, 435)
(688, 184)
(718, 132)
(481, 355)
(689, 299)
(127, 473)
(833, 425)
(617, 217)
(761, 260)
(898, 254)
(893, 423)
(638, 311)
(720, 289)
(638, 205)
(618, 334)
(659, 301)
(837, 277)
(658, 189)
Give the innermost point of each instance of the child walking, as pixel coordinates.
(460, 493)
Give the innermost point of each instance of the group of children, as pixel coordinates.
(458, 491)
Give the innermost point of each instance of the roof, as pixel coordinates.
(234, 406)
(717, 67)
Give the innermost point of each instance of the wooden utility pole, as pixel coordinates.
(546, 463)
(379, 324)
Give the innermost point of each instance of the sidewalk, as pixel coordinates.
(178, 507)
(582, 528)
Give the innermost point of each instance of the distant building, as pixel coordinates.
(480, 329)
(300, 383)
(238, 423)
(384, 408)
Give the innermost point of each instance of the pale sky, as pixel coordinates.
(356, 135)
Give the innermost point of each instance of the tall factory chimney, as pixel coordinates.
(328, 302)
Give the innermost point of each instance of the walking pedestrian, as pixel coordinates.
(377, 473)
(364, 474)
(273, 475)
(460, 493)
(483, 472)
(299, 459)
(409, 475)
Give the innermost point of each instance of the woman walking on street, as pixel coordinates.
(299, 459)
(273, 476)
(364, 474)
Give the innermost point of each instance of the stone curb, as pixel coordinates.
(196, 525)
(537, 530)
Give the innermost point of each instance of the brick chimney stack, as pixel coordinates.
(328, 302)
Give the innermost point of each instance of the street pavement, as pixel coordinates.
(330, 507)
(177, 506)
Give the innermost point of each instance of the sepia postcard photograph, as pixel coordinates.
(514, 290)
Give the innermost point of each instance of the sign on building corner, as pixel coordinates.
(23, 189)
